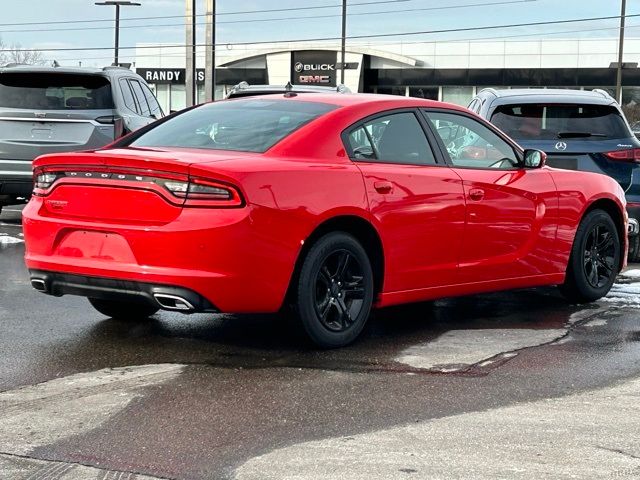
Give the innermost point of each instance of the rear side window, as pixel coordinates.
(141, 99)
(556, 121)
(252, 125)
(55, 91)
(127, 95)
(395, 138)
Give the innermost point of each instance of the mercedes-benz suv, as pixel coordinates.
(578, 129)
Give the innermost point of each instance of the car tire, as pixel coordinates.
(123, 310)
(335, 290)
(595, 259)
(634, 249)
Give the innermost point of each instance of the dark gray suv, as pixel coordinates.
(56, 109)
(578, 129)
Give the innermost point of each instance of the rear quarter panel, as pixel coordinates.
(287, 200)
(577, 192)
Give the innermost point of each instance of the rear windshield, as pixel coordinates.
(54, 91)
(554, 121)
(252, 125)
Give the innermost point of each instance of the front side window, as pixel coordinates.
(252, 125)
(557, 121)
(471, 144)
(55, 91)
(395, 138)
(156, 111)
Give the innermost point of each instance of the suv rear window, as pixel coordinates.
(554, 121)
(252, 125)
(55, 91)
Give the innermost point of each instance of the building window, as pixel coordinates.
(392, 90)
(178, 97)
(430, 93)
(458, 95)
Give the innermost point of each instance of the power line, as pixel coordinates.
(245, 12)
(368, 44)
(280, 19)
(352, 37)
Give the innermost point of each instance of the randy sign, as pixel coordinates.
(173, 76)
(314, 67)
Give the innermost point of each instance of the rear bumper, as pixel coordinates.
(166, 297)
(224, 256)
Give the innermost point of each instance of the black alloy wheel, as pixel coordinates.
(335, 290)
(339, 293)
(595, 258)
(599, 255)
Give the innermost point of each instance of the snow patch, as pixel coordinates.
(6, 239)
(459, 349)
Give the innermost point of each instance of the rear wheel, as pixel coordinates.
(595, 258)
(123, 310)
(335, 290)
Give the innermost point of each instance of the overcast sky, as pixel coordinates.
(395, 16)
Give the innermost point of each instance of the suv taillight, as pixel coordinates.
(117, 122)
(629, 155)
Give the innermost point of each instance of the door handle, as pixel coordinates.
(383, 186)
(476, 194)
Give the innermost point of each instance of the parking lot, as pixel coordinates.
(507, 385)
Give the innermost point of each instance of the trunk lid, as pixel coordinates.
(124, 186)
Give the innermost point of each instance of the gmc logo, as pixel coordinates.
(315, 79)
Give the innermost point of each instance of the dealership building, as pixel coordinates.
(450, 71)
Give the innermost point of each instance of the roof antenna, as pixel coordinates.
(289, 91)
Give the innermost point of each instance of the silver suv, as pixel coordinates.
(56, 109)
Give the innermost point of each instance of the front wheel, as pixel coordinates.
(335, 290)
(595, 258)
(123, 310)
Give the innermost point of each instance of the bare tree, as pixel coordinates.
(14, 53)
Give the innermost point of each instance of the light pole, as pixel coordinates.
(344, 39)
(620, 52)
(118, 4)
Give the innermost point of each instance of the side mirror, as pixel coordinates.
(534, 158)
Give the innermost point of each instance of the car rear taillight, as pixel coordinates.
(199, 192)
(117, 122)
(629, 155)
(176, 188)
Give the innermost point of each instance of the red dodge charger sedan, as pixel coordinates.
(331, 204)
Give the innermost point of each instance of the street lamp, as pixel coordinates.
(118, 4)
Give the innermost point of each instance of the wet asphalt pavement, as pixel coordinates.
(203, 396)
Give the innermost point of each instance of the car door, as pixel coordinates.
(511, 214)
(417, 203)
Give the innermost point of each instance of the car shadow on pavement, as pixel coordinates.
(270, 341)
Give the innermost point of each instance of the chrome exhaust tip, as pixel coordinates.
(39, 284)
(633, 227)
(173, 302)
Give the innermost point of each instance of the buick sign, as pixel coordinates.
(314, 67)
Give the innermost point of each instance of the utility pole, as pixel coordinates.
(191, 84)
(620, 52)
(210, 52)
(344, 39)
(117, 4)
